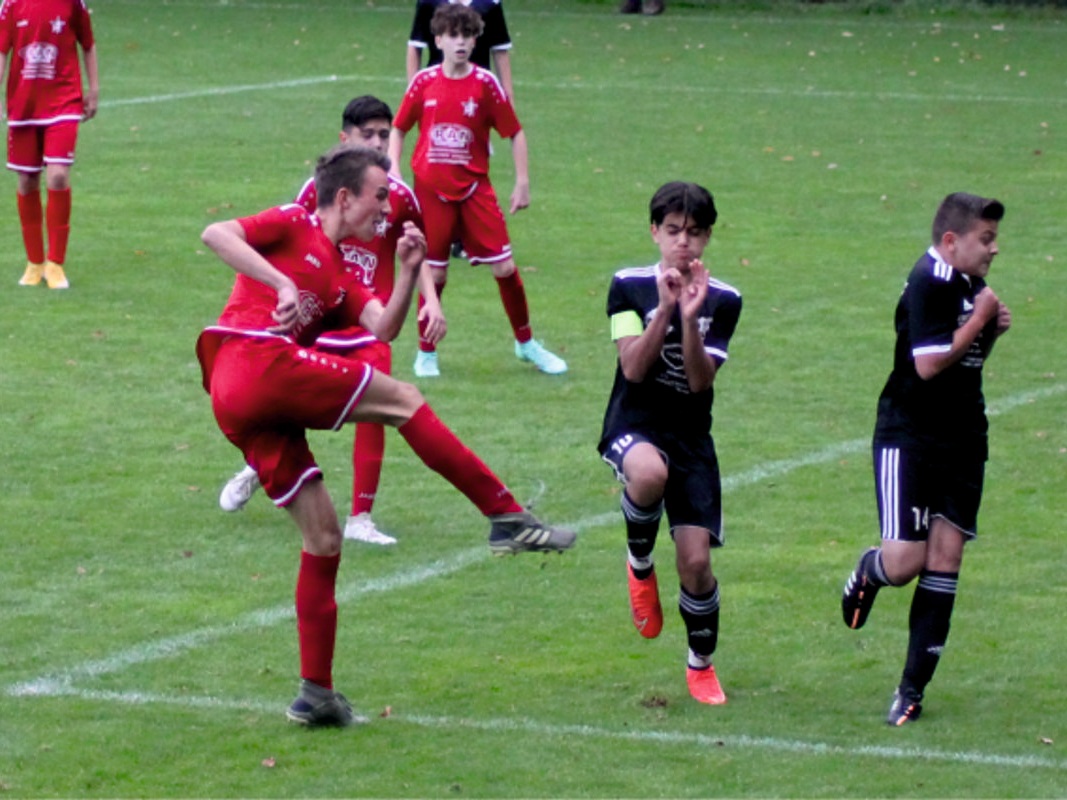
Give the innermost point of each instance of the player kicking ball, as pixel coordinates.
(671, 323)
(268, 385)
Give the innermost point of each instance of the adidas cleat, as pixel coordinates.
(521, 531)
(859, 593)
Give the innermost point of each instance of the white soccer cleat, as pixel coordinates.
(535, 352)
(238, 490)
(360, 528)
(426, 365)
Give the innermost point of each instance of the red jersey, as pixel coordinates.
(373, 263)
(455, 117)
(41, 38)
(292, 240)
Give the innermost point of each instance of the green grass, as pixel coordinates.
(158, 630)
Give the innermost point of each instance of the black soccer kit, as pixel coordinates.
(930, 437)
(661, 409)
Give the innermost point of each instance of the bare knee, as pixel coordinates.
(504, 269)
(57, 178)
(646, 477)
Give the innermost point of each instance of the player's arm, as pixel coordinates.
(638, 345)
(230, 243)
(700, 368)
(431, 317)
(413, 60)
(396, 149)
(986, 307)
(520, 197)
(91, 99)
(385, 321)
(502, 67)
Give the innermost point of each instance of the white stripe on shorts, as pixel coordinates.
(889, 492)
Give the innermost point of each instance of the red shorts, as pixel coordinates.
(30, 147)
(358, 343)
(476, 221)
(266, 393)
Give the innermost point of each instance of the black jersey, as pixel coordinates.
(494, 37)
(947, 411)
(663, 400)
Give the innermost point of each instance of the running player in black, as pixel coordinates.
(671, 324)
(930, 440)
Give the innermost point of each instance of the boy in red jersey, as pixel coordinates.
(45, 103)
(456, 105)
(268, 385)
(365, 121)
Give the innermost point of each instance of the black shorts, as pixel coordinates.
(693, 495)
(914, 486)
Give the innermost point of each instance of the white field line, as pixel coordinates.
(600, 88)
(64, 683)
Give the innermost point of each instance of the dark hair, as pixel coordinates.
(361, 110)
(689, 199)
(345, 165)
(454, 18)
(960, 211)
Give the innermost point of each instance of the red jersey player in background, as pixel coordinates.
(45, 103)
(365, 121)
(456, 105)
(269, 384)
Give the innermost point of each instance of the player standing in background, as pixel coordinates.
(494, 45)
(648, 7)
(456, 105)
(930, 437)
(365, 121)
(268, 385)
(671, 324)
(39, 42)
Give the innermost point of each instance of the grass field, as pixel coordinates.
(147, 643)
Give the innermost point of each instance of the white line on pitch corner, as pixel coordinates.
(741, 741)
(62, 682)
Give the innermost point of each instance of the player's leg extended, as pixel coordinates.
(400, 404)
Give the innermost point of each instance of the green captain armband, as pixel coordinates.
(626, 323)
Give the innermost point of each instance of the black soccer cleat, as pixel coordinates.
(906, 707)
(319, 707)
(859, 593)
(521, 531)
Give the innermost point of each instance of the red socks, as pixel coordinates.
(513, 296)
(316, 616)
(368, 451)
(443, 452)
(58, 219)
(31, 217)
